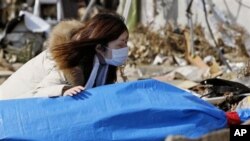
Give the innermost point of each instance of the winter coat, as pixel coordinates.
(41, 76)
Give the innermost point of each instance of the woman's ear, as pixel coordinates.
(99, 48)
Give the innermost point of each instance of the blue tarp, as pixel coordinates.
(244, 114)
(145, 110)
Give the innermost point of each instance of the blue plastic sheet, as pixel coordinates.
(244, 114)
(146, 110)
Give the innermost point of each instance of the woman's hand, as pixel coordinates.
(73, 91)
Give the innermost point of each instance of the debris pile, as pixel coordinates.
(145, 44)
(164, 55)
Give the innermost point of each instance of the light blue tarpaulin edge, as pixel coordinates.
(142, 110)
(244, 114)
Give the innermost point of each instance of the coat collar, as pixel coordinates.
(61, 34)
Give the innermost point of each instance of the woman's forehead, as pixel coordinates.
(124, 35)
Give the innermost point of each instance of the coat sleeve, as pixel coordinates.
(52, 85)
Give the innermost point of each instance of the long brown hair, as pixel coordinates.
(80, 51)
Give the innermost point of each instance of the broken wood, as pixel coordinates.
(193, 59)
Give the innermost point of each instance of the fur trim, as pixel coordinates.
(61, 34)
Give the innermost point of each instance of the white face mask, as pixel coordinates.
(119, 56)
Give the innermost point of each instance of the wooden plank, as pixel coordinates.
(193, 59)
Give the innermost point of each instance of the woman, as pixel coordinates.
(79, 56)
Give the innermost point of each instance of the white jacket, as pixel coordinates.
(40, 77)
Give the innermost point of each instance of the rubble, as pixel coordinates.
(170, 45)
(223, 135)
(169, 48)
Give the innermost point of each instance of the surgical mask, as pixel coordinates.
(119, 56)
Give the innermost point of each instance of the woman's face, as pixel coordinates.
(120, 42)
